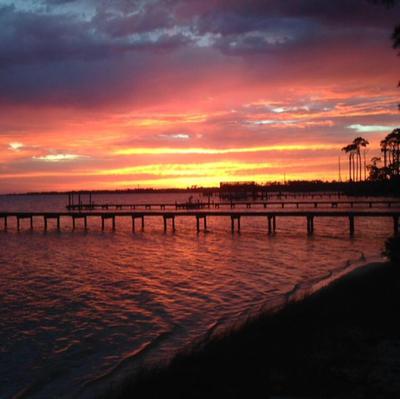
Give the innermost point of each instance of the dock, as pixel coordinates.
(198, 215)
(236, 204)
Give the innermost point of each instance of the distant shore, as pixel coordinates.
(385, 188)
(341, 342)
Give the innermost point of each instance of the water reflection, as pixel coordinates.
(77, 306)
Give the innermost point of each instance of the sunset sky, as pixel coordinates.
(98, 94)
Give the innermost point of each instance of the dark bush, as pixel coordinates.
(392, 249)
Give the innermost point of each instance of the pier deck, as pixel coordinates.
(238, 204)
(200, 214)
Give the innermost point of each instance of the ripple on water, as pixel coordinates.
(76, 307)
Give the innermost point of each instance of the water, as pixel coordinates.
(80, 309)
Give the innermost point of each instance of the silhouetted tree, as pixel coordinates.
(359, 142)
(355, 160)
(384, 151)
(351, 149)
(375, 172)
(390, 148)
(392, 142)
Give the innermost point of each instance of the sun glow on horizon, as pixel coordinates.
(220, 151)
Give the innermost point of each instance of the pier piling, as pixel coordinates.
(310, 225)
(269, 224)
(103, 218)
(351, 225)
(198, 217)
(4, 222)
(79, 216)
(172, 217)
(22, 217)
(134, 217)
(233, 217)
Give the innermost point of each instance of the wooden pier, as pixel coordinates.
(235, 216)
(76, 198)
(237, 204)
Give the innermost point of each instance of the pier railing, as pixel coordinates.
(78, 198)
(236, 204)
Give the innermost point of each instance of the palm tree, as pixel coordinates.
(359, 142)
(351, 150)
(384, 150)
(390, 147)
(393, 140)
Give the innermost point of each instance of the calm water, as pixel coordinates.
(80, 309)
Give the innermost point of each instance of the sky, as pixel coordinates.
(101, 94)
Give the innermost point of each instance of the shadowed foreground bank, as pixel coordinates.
(343, 342)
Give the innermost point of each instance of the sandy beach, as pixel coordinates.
(342, 342)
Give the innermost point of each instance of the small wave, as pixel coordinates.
(303, 290)
(126, 366)
(299, 292)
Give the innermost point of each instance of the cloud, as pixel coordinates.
(148, 82)
(176, 136)
(30, 37)
(15, 146)
(62, 52)
(280, 110)
(58, 157)
(371, 128)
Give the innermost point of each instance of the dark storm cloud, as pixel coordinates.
(59, 50)
(29, 37)
(263, 25)
(62, 58)
(58, 2)
(147, 18)
(338, 12)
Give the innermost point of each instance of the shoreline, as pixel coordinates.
(133, 366)
(321, 346)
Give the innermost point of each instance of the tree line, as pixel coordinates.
(386, 167)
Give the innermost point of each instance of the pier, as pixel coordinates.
(169, 217)
(78, 198)
(236, 204)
